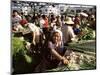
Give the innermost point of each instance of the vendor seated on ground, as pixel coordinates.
(53, 54)
(68, 33)
(56, 47)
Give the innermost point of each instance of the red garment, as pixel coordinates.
(23, 21)
(46, 25)
(77, 20)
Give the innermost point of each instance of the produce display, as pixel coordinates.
(82, 54)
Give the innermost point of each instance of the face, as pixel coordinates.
(56, 37)
(15, 13)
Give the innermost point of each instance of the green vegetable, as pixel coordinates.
(28, 58)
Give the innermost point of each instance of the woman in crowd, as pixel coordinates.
(58, 22)
(44, 25)
(53, 24)
(15, 17)
(76, 26)
(53, 53)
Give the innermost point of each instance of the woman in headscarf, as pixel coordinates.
(55, 46)
(53, 53)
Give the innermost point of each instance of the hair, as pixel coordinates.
(52, 19)
(44, 16)
(53, 36)
(55, 33)
(15, 11)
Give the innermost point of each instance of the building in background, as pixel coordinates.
(49, 8)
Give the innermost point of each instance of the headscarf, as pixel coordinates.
(61, 41)
(56, 30)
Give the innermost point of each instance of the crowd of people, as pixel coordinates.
(50, 33)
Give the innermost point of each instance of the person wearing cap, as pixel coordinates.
(84, 20)
(30, 31)
(67, 29)
(35, 33)
(23, 21)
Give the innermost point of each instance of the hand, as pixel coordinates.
(65, 61)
